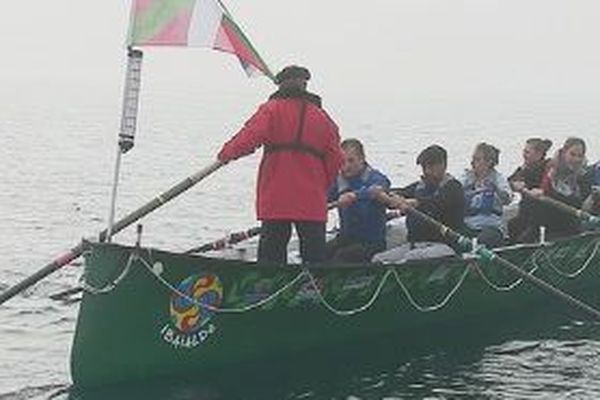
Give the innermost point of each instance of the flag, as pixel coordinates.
(202, 23)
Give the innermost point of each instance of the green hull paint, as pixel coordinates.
(139, 330)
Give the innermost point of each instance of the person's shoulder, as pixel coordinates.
(517, 174)
(452, 180)
(314, 99)
(377, 173)
(451, 184)
(500, 177)
(466, 176)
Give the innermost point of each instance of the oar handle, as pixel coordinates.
(488, 255)
(129, 219)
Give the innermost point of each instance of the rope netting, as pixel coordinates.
(306, 277)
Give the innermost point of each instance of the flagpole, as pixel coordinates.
(131, 96)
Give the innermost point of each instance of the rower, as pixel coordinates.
(528, 176)
(592, 203)
(362, 215)
(564, 180)
(438, 195)
(486, 192)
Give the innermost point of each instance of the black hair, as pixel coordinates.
(292, 72)
(432, 155)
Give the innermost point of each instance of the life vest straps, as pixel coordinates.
(296, 144)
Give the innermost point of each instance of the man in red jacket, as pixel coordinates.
(301, 158)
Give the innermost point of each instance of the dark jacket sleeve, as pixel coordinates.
(407, 191)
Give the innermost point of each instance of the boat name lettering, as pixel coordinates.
(186, 340)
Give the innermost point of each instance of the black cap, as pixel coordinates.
(292, 72)
(433, 154)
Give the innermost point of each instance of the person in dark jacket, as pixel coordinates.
(592, 203)
(522, 228)
(565, 180)
(437, 194)
(362, 216)
(301, 158)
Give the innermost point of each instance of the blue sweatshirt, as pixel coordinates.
(364, 220)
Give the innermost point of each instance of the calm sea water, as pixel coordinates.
(56, 156)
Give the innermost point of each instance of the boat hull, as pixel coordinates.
(147, 314)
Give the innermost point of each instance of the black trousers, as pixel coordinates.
(346, 250)
(275, 235)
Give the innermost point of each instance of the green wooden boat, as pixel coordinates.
(147, 313)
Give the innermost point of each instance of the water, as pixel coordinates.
(58, 143)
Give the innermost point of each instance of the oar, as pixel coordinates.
(488, 255)
(576, 212)
(230, 239)
(129, 219)
(237, 237)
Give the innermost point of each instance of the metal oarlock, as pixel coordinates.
(542, 234)
(474, 245)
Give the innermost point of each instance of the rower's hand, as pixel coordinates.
(518, 186)
(376, 192)
(346, 199)
(404, 204)
(397, 202)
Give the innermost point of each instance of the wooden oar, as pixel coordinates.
(488, 255)
(576, 212)
(232, 238)
(237, 237)
(129, 219)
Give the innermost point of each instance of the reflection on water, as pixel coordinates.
(472, 364)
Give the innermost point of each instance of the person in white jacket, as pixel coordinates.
(486, 192)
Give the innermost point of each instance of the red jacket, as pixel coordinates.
(292, 184)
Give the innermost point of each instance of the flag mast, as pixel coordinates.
(171, 23)
(131, 97)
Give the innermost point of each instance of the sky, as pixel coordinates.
(374, 47)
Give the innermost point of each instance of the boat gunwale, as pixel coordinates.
(446, 260)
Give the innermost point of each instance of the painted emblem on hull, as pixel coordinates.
(190, 323)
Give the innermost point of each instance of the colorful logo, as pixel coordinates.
(187, 313)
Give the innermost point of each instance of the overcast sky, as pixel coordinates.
(375, 46)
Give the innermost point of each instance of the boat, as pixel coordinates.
(148, 314)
